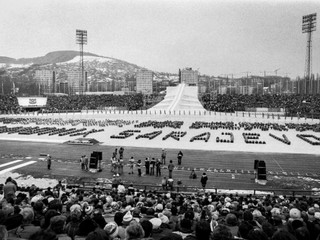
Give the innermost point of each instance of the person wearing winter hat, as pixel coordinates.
(136, 214)
(203, 180)
(202, 231)
(75, 208)
(127, 218)
(88, 210)
(185, 227)
(156, 222)
(99, 219)
(165, 227)
(295, 214)
(232, 223)
(159, 207)
(147, 228)
(310, 213)
(85, 227)
(164, 219)
(112, 230)
(158, 230)
(72, 226)
(57, 224)
(134, 231)
(149, 214)
(27, 228)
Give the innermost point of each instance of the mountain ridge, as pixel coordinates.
(49, 58)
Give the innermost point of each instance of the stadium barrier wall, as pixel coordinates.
(192, 189)
(171, 115)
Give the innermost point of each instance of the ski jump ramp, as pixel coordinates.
(181, 97)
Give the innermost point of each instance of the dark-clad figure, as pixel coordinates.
(139, 167)
(121, 150)
(152, 165)
(147, 165)
(180, 155)
(203, 180)
(163, 156)
(48, 161)
(9, 189)
(158, 168)
(170, 168)
(193, 174)
(86, 163)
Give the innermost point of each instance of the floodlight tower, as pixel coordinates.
(82, 39)
(308, 26)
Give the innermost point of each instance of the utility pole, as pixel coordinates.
(247, 87)
(81, 38)
(308, 26)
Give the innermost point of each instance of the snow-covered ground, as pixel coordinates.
(173, 108)
(181, 98)
(25, 181)
(272, 145)
(89, 59)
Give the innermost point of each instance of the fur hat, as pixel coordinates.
(159, 207)
(167, 213)
(156, 222)
(88, 210)
(75, 208)
(112, 229)
(275, 211)
(127, 218)
(295, 214)
(163, 218)
(58, 221)
(256, 214)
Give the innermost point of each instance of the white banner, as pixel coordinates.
(32, 101)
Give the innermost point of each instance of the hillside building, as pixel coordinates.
(189, 76)
(75, 85)
(144, 81)
(46, 80)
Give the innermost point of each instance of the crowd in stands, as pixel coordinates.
(303, 104)
(127, 213)
(294, 104)
(81, 102)
(9, 103)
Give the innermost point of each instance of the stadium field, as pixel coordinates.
(226, 169)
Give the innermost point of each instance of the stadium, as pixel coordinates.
(223, 145)
(94, 147)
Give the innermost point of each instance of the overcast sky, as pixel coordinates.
(218, 37)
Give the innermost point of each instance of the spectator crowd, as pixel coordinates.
(127, 213)
(293, 104)
(302, 104)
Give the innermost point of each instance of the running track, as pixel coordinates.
(66, 164)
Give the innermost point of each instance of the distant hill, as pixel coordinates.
(50, 58)
(7, 60)
(111, 73)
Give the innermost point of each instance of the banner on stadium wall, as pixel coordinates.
(262, 110)
(32, 102)
(266, 110)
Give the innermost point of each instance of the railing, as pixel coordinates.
(192, 189)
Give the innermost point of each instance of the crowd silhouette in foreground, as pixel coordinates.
(128, 213)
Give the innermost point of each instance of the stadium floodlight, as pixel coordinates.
(81, 39)
(308, 26)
